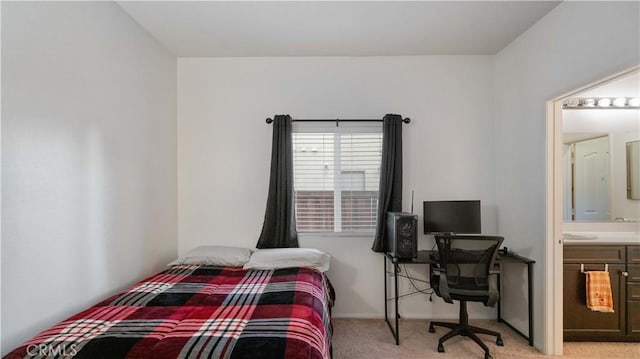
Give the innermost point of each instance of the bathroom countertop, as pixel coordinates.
(592, 238)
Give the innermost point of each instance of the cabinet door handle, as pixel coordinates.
(625, 274)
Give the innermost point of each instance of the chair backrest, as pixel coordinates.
(468, 260)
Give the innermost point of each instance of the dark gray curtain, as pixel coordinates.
(390, 191)
(279, 227)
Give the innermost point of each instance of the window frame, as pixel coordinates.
(337, 131)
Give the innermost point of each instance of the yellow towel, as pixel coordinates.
(599, 297)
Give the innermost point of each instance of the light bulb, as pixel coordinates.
(604, 102)
(635, 102)
(589, 102)
(572, 102)
(620, 102)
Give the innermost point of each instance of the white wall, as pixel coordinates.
(575, 44)
(89, 160)
(224, 149)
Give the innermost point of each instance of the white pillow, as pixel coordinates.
(275, 258)
(215, 255)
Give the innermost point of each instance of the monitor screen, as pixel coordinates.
(460, 217)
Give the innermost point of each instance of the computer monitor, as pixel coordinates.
(457, 217)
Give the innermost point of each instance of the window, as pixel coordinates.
(336, 176)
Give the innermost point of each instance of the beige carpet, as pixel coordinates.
(368, 339)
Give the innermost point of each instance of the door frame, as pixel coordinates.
(554, 220)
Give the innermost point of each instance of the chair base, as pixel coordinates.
(464, 329)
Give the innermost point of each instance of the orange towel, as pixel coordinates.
(599, 297)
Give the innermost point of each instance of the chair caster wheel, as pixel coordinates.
(431, 329)
(487, 356)
(440, 348)
(499, 342)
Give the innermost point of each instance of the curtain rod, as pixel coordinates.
(405, 120)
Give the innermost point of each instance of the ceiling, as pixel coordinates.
(335, 28)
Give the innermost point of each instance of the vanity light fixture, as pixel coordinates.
(576, 103)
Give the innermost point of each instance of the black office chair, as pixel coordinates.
(464, 272)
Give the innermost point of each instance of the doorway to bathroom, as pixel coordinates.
(587, 172)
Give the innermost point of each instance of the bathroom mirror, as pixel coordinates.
(633, 170)
(601, 139)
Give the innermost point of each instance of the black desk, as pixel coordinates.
(425, 258)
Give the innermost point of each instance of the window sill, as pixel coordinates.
(321, 235)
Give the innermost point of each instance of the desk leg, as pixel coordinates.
(393, 330)
(530, 283)
(500, 291)
(386, 297)
(530, 295)
(395, 294)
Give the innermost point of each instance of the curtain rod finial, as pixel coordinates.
(268, 120)
(406, 120)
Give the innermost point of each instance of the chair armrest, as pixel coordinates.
(494, 294)
(443, 285)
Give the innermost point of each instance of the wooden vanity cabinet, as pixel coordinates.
(582, 324)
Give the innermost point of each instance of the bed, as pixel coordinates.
(200, 311)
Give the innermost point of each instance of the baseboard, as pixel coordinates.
(421, 316)
(356, 316)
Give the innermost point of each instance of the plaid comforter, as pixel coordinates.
(198, 311)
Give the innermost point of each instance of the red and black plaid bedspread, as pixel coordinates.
(197, 311)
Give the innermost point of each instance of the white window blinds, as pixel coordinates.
(336, 175)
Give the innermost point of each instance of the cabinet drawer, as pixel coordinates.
(633, 254)
(634, 273)
(594, 254)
